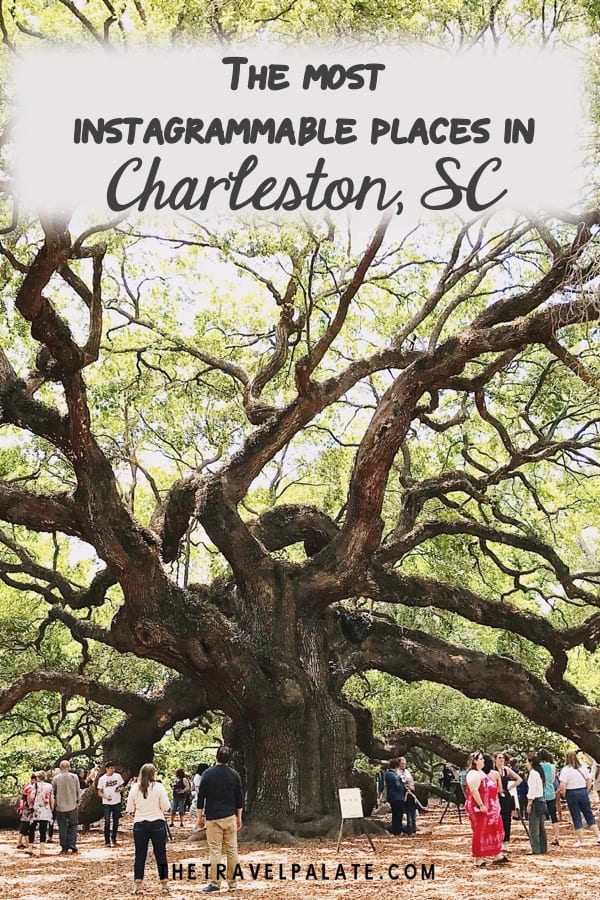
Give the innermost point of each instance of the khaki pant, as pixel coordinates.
(221, 835)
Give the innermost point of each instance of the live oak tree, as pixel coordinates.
(497, 316)
(346, 460)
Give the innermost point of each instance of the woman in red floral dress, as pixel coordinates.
(483, 808)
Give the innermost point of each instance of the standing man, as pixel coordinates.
(110, 786)
(395, 791)
(220, 805)
(66, 790)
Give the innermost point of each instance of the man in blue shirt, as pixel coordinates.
(220, 805)
(396, 791)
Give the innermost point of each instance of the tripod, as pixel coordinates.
(456, 789)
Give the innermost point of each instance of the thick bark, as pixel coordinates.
(294, 743)
(9, 817)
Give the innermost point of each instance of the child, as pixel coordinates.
(25, 810)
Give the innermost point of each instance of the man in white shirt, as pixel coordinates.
(110, 786)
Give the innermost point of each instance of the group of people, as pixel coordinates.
(489, 785)
(217, 798)
(43, 802)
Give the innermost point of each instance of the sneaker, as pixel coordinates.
(136, 889)
(210, 889)
(578, 844)
(73, 849)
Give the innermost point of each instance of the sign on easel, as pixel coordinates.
(351, 803)
(351, 808)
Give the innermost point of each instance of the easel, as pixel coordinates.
(351, 808)
(456, 788)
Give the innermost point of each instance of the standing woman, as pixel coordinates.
(181, 789)
(549, 769)
(43, 806)
(575, 782)
(506, 801)
(483, 809)
(148, 801)
(536, 806)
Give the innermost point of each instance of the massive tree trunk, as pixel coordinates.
(294, 742)
(295, 759)
(293, 766)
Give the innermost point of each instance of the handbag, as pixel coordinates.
(27, 814)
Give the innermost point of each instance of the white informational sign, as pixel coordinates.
(351, 803)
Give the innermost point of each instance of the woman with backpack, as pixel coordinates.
(181, 789)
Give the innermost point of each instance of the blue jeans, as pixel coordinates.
(537, 826)
(111, 810)
(578, 801)
(143, 833)
(67, 829)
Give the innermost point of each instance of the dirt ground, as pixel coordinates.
(99, 873)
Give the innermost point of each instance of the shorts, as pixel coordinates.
(178, 805)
